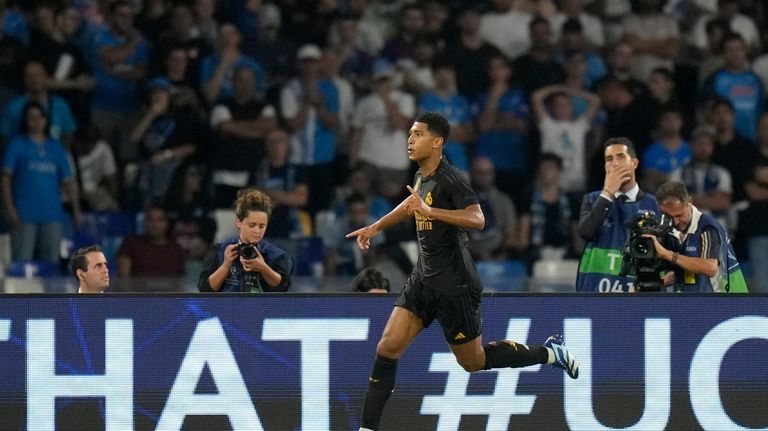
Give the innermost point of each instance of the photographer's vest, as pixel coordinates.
(600, 263)
(729, 277)
(238, 280)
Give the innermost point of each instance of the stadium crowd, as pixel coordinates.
(166, 108)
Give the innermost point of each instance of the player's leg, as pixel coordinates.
(402, 327)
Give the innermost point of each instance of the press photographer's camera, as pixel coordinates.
(247, 251)
(639, 254)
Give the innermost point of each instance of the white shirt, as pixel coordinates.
(567, 140)
(594, 32)
(741, 24)
(507, 31)
(382, 145)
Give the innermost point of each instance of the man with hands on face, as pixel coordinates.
(228, 268)
(604, 219)
(706, 261)
(444, 284)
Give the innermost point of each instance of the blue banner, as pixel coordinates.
(301, 362)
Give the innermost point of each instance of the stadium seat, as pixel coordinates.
(503, 276)
(554, 275)
(33, 268)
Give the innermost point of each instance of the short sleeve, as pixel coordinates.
(461, 194)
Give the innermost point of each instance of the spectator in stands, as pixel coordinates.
(502, 123)
(11, 63)
(564, 135)
(709, 184)
(538, 68)
(653, 37)
(205, 20)
(728, 13)
(369, 35)
(154, 254)
(61, 124)
(711, 59)
(417, 71)
(217, 69)
(754, 225)
(184, 37)
(573, 41)
(247, 263)
(13, 23)
(190, 210)
(739, 84)
(275, 50)
(412, 28)
(176, 68)
(356, 61)
(507, 28)
(121, 62)
(380, 126)
(359, 182)
(286, 186)
(574, 10)
(342, 256)
(470, 54)
(663, 92)
(35, 170)
(330, 69)
(153, 18)
(620, 68)
(97, 169)
(166, 135)
(310, 107)
(370, 280)
(498, 235)
(241, 122)
(68, 71)
(668, 152)
(89, 266)
(446, 100)
(548, 224)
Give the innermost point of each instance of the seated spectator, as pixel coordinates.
(669, 152)
(241, 123)
(370, 280)
(548, 224)
(498, 235)
(358, 182)
(61, 123)
(89, 266)
(285, 184)
(35, 170)
(564, 135)
(342, 256)
(97, 169)
(708, 183)
(154, 254)
(247, 263)
(189, 209)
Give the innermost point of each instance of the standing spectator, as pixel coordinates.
(247, 263)
(737, 83)
(241, 123)
(754, 223)
(653, 37)
(183, 89)
(574, 10)
(446, 100)
(499, 233)
(727, 12)
(310, 107)
(380, 126)
(182, 35)
(564, 135)
(35, 168)
(205, 20)
(661, 84)
(60, 122)
(403, 44)
(417, 71)
(341, 254)
(122, 55)
(89, 267)
(502, 121)
(548, 224)
(97, 169)
(538, 68)
(330, 67)
(355, 61)
(218, 69)
(153, 18)
(709, 184)
(620, 68)
(471, 54)
(166, 136)
(507, 28)
(573, 41)
(285, 184)
(11, 64)
(154, 254)
(275, 50)
(711, 59)
(668, 152)
(189, 210)
(369, 36)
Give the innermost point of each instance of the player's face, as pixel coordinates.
(421, 142)
(97, 276)
(252, 227)
(679, 212)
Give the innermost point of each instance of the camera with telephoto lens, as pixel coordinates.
(639, 254)
(248, 251)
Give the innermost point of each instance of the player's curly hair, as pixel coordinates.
(252, 199)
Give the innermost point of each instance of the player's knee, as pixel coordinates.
(470, 365)
(388, 348)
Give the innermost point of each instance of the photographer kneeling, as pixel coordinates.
(707, 262)
(247, 263)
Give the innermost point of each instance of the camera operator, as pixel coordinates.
(604, 217)
(707, 262)
(247, 263)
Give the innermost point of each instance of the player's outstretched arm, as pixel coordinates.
(363, 235)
